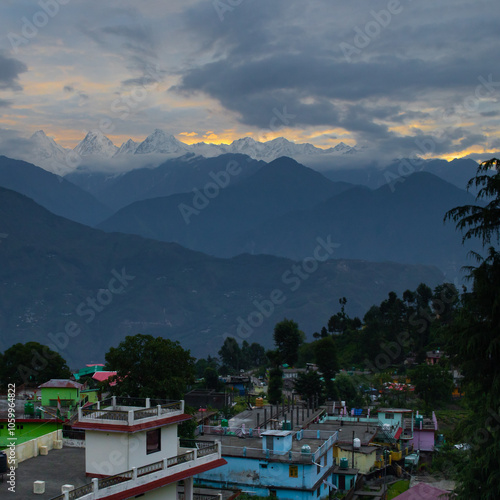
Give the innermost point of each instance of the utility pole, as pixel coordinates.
(353, 434)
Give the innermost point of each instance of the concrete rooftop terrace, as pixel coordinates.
(364, 432)
(251, 447)
(65, 466)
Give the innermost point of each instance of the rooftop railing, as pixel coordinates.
(128, 410)
(107, 482)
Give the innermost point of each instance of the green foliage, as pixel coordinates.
(230, 355)
(31, 363)
(326, 358)
(433, 383)
(474, 342)
(287, 338)
(397, 488)
(345, 389)
(480, 221)
(309, 384)
(236, 358)
(187, 428)
(202, 364)
(211, 379)
(275, 388)
(150, 367)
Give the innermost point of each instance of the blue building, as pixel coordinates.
(286, 464)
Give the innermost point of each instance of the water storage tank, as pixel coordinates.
(29, 408)
(357, 443)
(3, 463)
(305, 450)
(259, 402)
(342, 403)
(344, 463)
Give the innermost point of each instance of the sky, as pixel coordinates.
(396, 77)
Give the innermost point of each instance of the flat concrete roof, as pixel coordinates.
(66, 466)
(233, 446)
(249, 417)
(361, 430)
(276, 433)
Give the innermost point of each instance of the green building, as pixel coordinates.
(67, 391)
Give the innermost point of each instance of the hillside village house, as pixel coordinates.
(133, 449)
(281, 463)
(66, 391)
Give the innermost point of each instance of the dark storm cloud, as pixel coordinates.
(489, 114)
(235, 84)
(4, 103)
(262, 55)
(10, 69)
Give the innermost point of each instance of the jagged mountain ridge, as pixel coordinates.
(283, 207)
(95, 146)
(54, 270)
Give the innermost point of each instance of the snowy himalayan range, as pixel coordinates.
(43, 151)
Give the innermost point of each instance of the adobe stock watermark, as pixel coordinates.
(292, 278)
(90, 308)
(221, 180)
(212, 189)
(420, 319)
(371, 30)
(123, 107)
(486, 89)
(31, 27)
(223, 6)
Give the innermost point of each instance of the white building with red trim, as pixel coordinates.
(132, 449)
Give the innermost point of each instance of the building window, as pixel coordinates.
(293, 471)
(272, 493)
(153, 441)
(263, 466)
(389, 416)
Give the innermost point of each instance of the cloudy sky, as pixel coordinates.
(396, 76)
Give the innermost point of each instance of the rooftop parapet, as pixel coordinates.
(129, 411)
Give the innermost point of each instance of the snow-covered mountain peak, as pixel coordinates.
(96, 143)
(163, 143)
(342, 147)
(127, 148)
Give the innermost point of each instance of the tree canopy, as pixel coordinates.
(474, 340)
(150, 367)
(480, 221)
(32, 364)
(287, 338)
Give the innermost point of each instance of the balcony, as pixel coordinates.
(136, 480)
(128, 411)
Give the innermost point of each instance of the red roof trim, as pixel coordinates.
(123, 495)
(398, 433)
(94, 426)
(32, 420)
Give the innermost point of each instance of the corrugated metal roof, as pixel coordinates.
(60, 383)
(103, 376)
